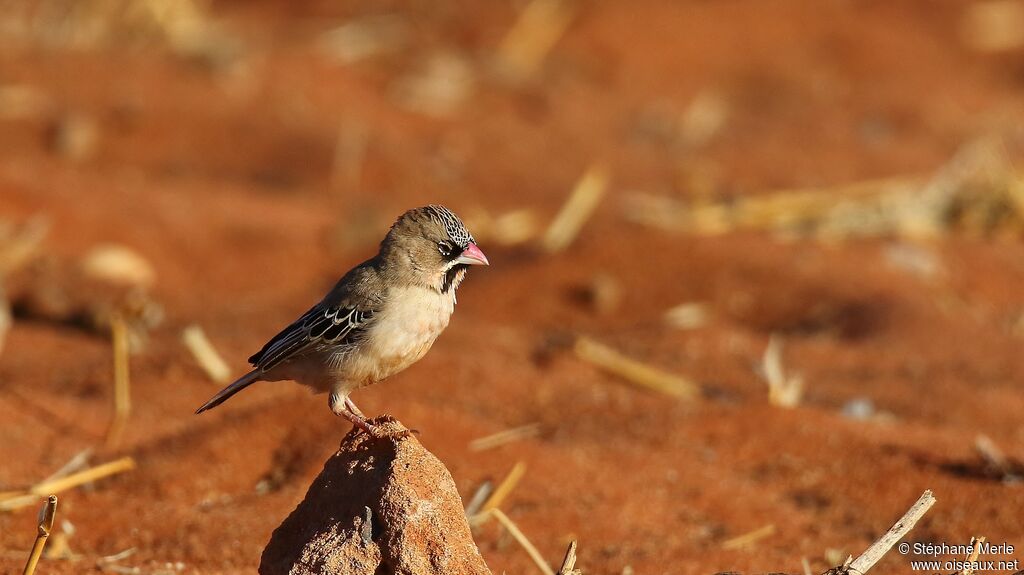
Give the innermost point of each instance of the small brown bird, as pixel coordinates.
(380, 318)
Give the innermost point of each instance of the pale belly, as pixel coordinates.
(399, 337)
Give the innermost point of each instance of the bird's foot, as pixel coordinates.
(351, 406)
(362, 423)
(381, 433)
(386, 430)
(344, 407)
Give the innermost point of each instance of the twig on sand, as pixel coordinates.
(64, 483)
(1007, 469)
(784, 390)
(20, 245)
(569, 563)
(990, 452)
(879, 548)
(972, 558)
(79, 461)
(17, 247)
(634, 371)
(513, 530)
(501, 491)
(531, 38)
(206, 355)
(503, 437)
(978, 192)
(122, 391)
(749, 538)
(46, 515)
(576, 211)
(117, 556)
(478, 499)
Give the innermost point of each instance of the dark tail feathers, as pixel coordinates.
(223, 395)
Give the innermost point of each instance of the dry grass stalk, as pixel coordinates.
(703, 118)
(569, 562)
(834, 556)
(633, 371)
(504, 488)
(79, 461)
(510, 228)
(750, 538)
(19, 501)
(184, 26)
(206, 355)
(478, 499)
(539, 27)
(690, 315)
(990, 452)
(118, 265)
(117, 556)
(577, 210)
(514, 227)
(972, 557)
(879, 548)
(604, 293)
(126, 570)
(1003, 467)
(363, 38)
(20, 244)
(439, 87)
(59, 546)
(787, 210)
(122, 390)
(783, 390)
(45, 525)
(520, 538)
(806, 565)
(979, 191)
(23, 499)
(85, 476)
(75, 137)
(506, 436)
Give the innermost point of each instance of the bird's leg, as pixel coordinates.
(345, 407)
(340, 406)
(352, 407)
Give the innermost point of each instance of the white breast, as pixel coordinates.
(400, 335)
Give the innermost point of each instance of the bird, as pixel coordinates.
(379, 318)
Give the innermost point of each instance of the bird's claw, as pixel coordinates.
(379, 432)
(344, 407)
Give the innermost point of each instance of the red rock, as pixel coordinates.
(380, 505)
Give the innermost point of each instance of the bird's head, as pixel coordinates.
(433, 245)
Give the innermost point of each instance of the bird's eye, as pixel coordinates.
(445, 248)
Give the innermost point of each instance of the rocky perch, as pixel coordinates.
(380, 505)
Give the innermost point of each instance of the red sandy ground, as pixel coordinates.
(222, 181)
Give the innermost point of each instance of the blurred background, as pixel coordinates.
(754, 285)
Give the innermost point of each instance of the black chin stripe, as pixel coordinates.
(449, 277)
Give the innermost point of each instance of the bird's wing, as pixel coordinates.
(323, 325)
(339, 320)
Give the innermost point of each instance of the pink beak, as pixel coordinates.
(473, 256)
